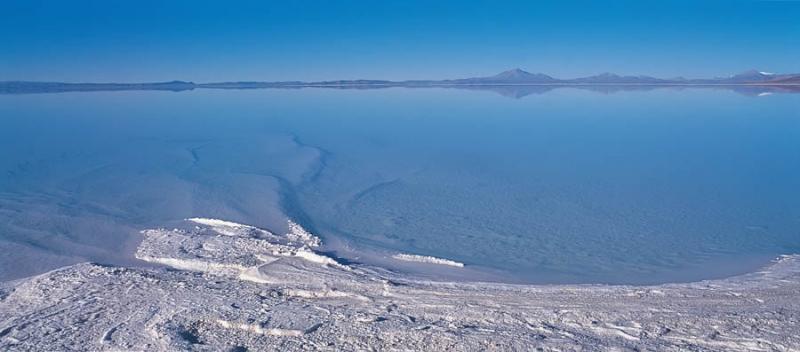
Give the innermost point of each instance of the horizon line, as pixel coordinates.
(675, 80)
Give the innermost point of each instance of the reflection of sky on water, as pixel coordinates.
(638, 186)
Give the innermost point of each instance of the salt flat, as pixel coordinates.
(241, 288)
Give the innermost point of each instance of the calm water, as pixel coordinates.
(564, 186)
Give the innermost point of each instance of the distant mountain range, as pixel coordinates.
(515, 77)
(19, 87)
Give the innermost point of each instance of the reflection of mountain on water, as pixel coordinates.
(521, 91)
(516, 92)
(764, 90)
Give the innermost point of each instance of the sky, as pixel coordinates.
(203, 41)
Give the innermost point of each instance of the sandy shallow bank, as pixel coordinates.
(229, 286)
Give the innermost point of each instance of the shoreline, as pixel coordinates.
(229, 285)
(431, 267)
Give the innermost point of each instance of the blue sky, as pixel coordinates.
(314, 40)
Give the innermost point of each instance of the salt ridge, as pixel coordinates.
(426, 259)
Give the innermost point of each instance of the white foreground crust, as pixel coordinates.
(237, 287)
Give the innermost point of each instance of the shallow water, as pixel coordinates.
(564, 186)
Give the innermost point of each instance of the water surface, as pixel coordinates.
(565, 186)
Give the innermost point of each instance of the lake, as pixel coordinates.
(534, 186)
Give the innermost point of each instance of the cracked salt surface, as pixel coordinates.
(239, 287)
